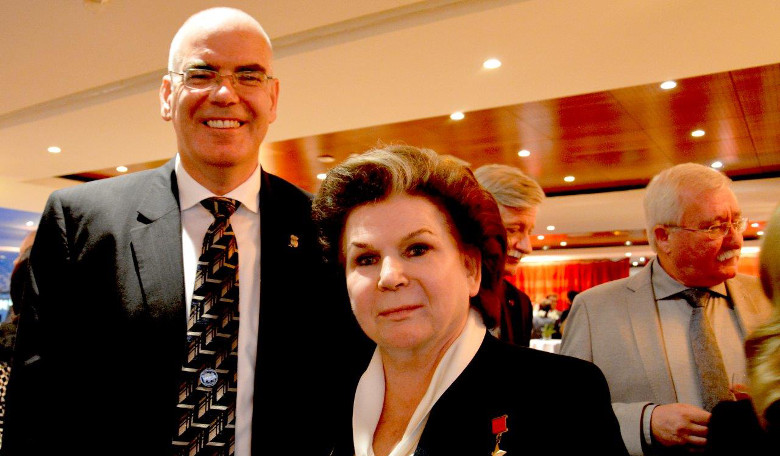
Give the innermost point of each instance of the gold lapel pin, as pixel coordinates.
(293, 241)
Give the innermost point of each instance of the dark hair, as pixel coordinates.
(379, 173)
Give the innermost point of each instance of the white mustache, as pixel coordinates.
(728, 254)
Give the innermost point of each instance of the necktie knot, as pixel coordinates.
(696, 297)
(221, 207)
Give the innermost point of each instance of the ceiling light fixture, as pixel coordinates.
(550, 227)
(717, 165)
(491, 64)
(628, 242)
(635, 263)
(754, 224)
(629, 254)
(524, 153)
(668, 85)
(759, 233)
(564, 243)
(540, 237)
(321, 176)
(121, 169)
(457, 115)
(54, 150)
(697, 133)
(30, 223)
(569, 179)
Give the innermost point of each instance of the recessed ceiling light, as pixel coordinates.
(569, 178)
(642, 259)
(326, 158)
(30, 223)
(759, 233)
(628, 242)
(523, 153)
(550, 227)
(668, 85)
(121, 169)
(321, 176)
(545, 247)
(754, 224)
(491, 64)
(635, 263)
(457, 115)
(54, 150)
(629, 254)
(564, 243)
(717, 164)
(540, 237)
(697, 133)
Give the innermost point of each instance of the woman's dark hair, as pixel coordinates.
(377, 174)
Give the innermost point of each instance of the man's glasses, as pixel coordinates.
(202, 79)
(718, 230)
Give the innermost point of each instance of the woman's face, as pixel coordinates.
(409, 282)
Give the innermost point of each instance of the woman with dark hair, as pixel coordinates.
(422, 246)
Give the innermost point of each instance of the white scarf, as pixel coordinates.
(370, 393)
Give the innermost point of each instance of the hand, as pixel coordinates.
(680, 424)
(739, 386)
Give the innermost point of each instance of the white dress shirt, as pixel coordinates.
(195, 220)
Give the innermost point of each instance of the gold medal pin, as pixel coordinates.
(499, 427)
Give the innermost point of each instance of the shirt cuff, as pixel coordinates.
(647, 433)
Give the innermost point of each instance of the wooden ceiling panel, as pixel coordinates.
(578, 116)
(764, 130)
(758, 89)
(693, 101)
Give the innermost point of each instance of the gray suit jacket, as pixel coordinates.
(102, 331)
(616, 326)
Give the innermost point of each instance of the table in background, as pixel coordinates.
(548, 345)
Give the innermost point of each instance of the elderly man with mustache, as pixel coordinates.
(670, 338)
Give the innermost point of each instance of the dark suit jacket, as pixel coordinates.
(516, 316)
(734, 429)
(102, 332)
(555, 405)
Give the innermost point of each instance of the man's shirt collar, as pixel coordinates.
(191, 192)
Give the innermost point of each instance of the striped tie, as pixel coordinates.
(207, 392)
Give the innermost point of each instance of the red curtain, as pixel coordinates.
(538, 280)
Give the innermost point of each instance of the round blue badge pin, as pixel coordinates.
(208, 377)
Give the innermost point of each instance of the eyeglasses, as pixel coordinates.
(719, 229)
(203, 79)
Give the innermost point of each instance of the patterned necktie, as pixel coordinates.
(207, 393)
(706, 354)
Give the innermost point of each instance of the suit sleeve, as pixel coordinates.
(576, 339)
(577, 342)
(31, 382)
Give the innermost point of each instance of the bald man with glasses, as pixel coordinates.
(186, 310)
(669, 339)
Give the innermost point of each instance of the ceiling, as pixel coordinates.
(578, 88)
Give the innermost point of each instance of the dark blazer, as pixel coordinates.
(734, 429)
(555, 405)
(102, 331)
(516, 316)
